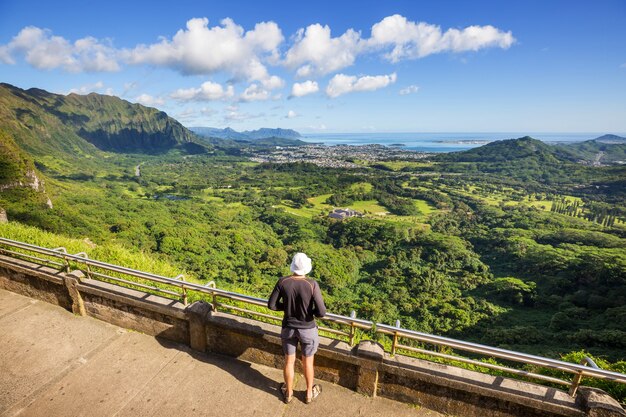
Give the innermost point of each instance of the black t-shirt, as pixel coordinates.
(301, 300)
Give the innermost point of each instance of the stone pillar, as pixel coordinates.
(198, 314)
(3, 216)
(71, 281)
(370, 355)
(597, 403)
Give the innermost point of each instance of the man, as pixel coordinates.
(301, 300)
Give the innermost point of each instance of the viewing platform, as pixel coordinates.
(53, 363)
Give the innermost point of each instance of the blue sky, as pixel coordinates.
(361, 66)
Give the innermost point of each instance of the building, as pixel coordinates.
(344, 213)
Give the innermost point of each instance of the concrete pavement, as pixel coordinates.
(53, 363)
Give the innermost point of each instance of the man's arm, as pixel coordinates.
(274, 302)
(320, 307)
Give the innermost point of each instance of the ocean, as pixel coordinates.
(438, 142)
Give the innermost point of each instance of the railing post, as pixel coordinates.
(211, 284)
(395, 339)
(181, 277)
(579, 376)
(352, 328)
(84, 255)
(65, 260)
(575, 383)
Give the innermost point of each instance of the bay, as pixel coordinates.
(440, 141)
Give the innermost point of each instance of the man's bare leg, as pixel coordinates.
(288, 372)
(307, 365)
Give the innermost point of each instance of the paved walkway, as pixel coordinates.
(53, 363)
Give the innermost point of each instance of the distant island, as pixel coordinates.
(466, 142)
(397, 145)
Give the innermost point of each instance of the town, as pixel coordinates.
(339, 156)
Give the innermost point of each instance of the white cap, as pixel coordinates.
(301, 264)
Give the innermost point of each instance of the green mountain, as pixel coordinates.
(524, 149)
(265, 132)
(66, 135)
(277, 141)
(43, 122)
(524, 160)
(604, 150)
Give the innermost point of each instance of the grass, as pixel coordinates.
(399, 165)
(541, 204)
(364, 187)
(494, 198)
(108, 252)
(424, 207)
(369, 207)
(308, 212)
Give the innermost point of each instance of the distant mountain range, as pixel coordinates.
(246, 135)
(260, 137)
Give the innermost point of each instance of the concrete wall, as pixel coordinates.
(365, 368)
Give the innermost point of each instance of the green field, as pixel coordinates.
(400, 165)
(370, 208)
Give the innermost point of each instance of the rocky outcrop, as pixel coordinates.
(30, 180)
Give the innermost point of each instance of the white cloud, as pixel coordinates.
(87, 88)
(208, 91)
(343, 84)
(186, 115)
(45, 51)
(409, 90)
(273, 82)
(150, 101)
(207, 111)
(235, 116)
(291, 114)
(411, 40)
(316, 52)
(200, 49)
(303, 89)
(255, 92)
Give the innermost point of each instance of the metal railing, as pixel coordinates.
(93, 267)
(93, 270)
(579, 370)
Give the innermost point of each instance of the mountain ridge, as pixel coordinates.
(247, 135)
(604, 150)
(108, 123)
(41, 131)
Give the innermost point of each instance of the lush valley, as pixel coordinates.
(513, 244)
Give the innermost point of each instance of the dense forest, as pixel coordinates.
(513, 244)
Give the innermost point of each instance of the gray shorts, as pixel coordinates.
(309, 340)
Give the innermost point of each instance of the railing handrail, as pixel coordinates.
(592, 370)
(170, 281)
(503, 353)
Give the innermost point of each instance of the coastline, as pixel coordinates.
(439, 142)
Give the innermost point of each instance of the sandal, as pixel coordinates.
(283, 390)
(317, 390)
